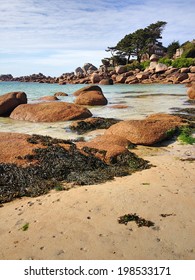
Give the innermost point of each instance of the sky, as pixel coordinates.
(57, 36)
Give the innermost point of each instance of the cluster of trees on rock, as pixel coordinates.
(146, 41)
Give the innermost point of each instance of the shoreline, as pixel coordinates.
(82, 223)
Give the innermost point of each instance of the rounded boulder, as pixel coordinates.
(50, 112)
(9, 101)
(90, 95)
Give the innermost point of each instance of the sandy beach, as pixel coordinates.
(82, 223)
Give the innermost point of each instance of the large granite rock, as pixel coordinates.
(9, 101)
(121, 78)
(50, 112)
(161, 68)
(95, 78)
(90, 95)
(149, 131)
(120, 69)
(79, 72)
(89, 68)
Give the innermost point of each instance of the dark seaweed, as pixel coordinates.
(135, 218)
(56, 164)
(100, 123)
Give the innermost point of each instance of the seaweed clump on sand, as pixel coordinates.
(141, 222)
(90, 124)
(56, 163)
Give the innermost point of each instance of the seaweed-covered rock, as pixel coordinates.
(53, 162)
(9, 101)
(150, 131)
(90, 124)
(50, 112)
(107, 147)
(103, 150)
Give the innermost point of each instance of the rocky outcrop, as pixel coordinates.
(191, 92)
(49, 112)
(90, 95)
(149, 131)
(155, 73)
(9, 101)
(6, 77)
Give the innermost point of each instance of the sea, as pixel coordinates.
(141, 99)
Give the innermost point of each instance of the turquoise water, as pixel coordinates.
(142, 100)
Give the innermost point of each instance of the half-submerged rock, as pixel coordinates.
(9, 101)
(90, 95)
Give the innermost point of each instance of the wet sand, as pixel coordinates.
(82, 223)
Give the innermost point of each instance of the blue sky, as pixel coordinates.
(54, 37)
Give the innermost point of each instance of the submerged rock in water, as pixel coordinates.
(54, 161)
(48, 98)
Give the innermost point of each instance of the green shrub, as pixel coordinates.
(166, 61)
(134, 65)
(145, 64)
(183, 62)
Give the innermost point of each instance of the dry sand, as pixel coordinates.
(82, 223)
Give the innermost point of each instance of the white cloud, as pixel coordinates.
(59, 27)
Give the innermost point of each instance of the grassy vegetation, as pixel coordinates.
(185, 136)
(59, 188)
(25, 227)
